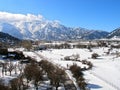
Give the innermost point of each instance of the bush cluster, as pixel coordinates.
(77, 73)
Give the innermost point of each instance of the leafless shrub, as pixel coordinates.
(95, 55)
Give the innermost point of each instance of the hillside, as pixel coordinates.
(8, 39)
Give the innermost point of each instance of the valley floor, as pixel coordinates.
(105, 74)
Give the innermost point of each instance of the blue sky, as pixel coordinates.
(91, 14)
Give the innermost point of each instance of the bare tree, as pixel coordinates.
(15, 68)
(10, 67)
(77, 73)
(5, 66)
(28, 73)
(82, 84)
(55, 74)
(20, 67)
(47, 66)
(59, 77)
(37, 76)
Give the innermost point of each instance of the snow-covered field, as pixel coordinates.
(105, 75)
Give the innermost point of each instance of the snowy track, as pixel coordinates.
(106, 81)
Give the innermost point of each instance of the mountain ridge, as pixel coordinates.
(38, 28)
(114, 34)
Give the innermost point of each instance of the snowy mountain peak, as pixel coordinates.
(37, 27)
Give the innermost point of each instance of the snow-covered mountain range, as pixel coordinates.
(36, 27)
(114, 34)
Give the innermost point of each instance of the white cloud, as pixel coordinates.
(5, 16)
